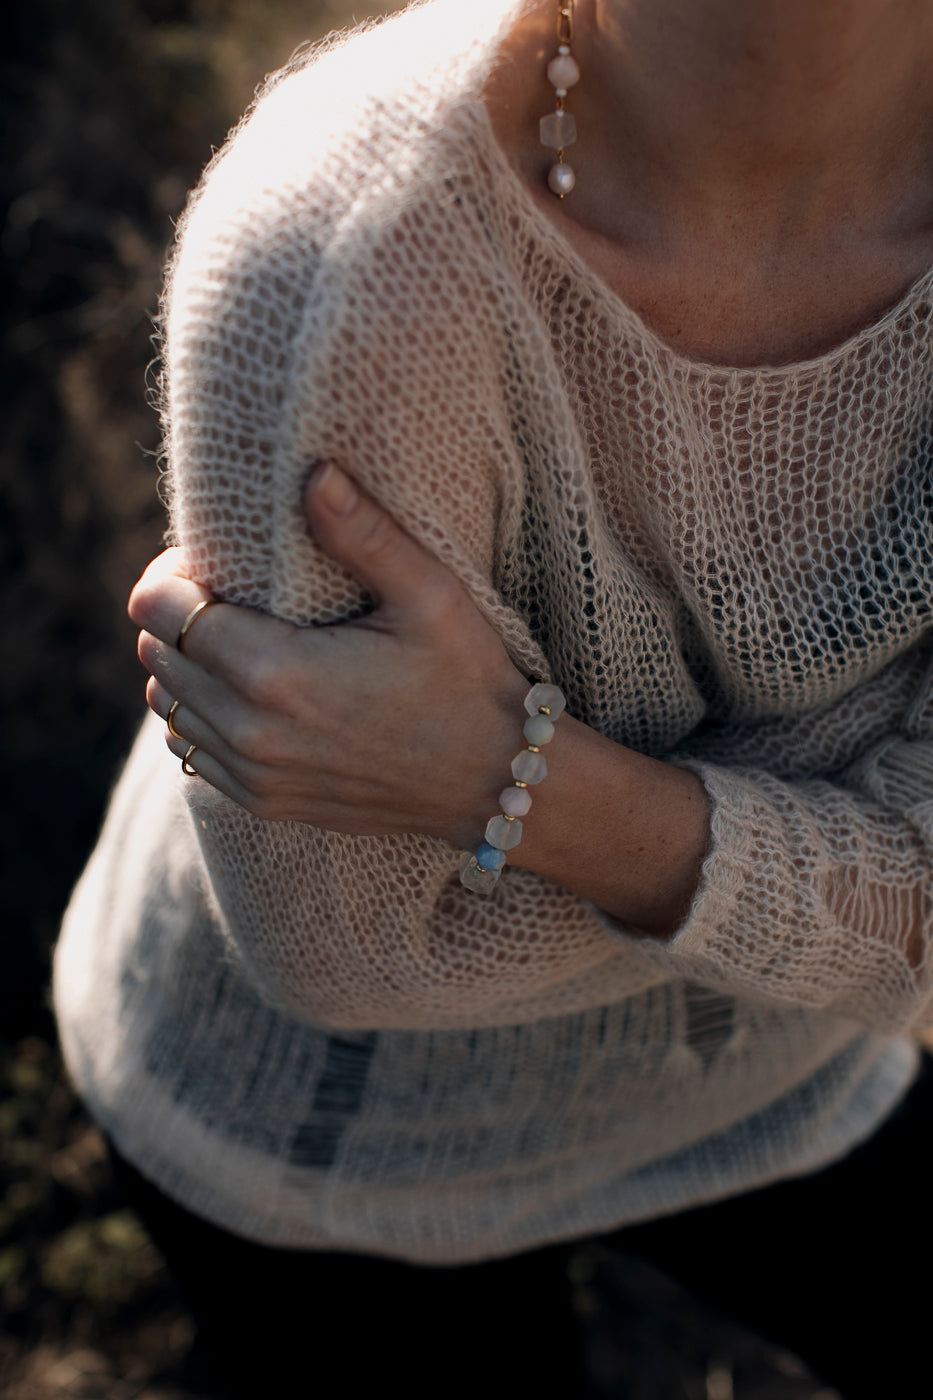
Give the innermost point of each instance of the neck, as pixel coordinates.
(702, 98)
(754, 177)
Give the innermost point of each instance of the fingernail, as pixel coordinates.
(333, 489)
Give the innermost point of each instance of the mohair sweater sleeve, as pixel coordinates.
(319, 306)
(819, 893)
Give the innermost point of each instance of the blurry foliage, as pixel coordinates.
(108, 111)
(104, 1262)
(72, 1259)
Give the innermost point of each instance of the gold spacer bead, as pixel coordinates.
(544, 709)
(508, 818)
(518, 784)
(534, 748)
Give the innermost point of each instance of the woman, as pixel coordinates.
(663, 442)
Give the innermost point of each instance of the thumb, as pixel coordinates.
(366, 541)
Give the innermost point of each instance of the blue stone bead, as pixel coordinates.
(489, 858)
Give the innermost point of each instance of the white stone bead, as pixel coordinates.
(558, 129)
(561, 179)
(502, 833)
(474, 878)
(538, 729)
(564, 48)
(563, 71)
(529, 768)
(545, 697)
(515, 801)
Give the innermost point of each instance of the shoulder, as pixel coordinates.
(358, 190)
(365, 119)
(341, 156)
(339, 280)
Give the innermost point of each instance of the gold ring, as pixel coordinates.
(190, 620)
(186, 768)
(168, 720)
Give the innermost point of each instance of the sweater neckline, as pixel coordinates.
(565, 255)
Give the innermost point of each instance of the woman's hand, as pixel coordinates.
(407, 720)
(403, 721)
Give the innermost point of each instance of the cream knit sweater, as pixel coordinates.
(324, 1040)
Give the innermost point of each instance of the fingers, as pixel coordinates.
(362, 537)
(164, 598)
(217, 760)
(201, 763)
(357, 533)
(291, 722)
(230, 684)
(184, 725)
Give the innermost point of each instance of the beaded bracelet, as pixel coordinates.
(480, 871)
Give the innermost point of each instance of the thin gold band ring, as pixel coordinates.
(191, 619)
(170, 718)
(186, 768)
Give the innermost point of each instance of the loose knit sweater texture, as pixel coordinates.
(324, 1041)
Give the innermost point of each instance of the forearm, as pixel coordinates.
(627, 832)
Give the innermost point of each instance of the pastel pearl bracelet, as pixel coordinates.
(480, 871)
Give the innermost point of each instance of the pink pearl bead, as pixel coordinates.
(563, 71)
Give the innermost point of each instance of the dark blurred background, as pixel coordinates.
(109, 110)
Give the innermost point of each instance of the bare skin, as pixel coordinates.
(755, 178)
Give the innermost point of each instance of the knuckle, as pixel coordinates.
(380, 537)
(443, 607)
(249, 738)
(250, 676)
(265, 678)
(268, 688)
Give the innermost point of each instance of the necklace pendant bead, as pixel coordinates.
(561, 180)
(563, 71)
(558, 129)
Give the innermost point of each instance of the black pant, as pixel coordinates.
(834, 1266)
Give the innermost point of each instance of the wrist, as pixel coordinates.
(627, 832)
(480, 869)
